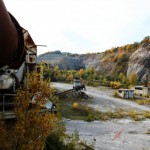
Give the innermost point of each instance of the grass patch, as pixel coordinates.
(86, 113)
(147, 114)
(115, 94)
(148, 132)
(67, 142)
(144, 102)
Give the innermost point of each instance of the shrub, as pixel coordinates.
(140, 102)
(115, 94)
(122, 59)
(91, 117)
(147, 114)
(75, 105)
(68, 142)
(115, 84)
(31, 126)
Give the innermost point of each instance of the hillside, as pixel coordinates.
(65, 61)
(126, 59)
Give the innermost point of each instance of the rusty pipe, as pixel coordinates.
(11, 39)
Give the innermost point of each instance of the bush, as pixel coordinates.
(91, 117)
(122, 59)
(115, 94)
(115, 84)
(53, 142)
(75, 105)
(68, 142)
(147, 114)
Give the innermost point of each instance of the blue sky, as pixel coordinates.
(82, 26)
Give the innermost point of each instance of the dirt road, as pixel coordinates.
(103, 99)
(115, 134)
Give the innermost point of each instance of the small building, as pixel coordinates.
(142, 91)
(126, 93)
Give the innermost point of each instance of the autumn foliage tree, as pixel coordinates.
(33, 123)
(115, 84)
(133, 78)
(81, 73)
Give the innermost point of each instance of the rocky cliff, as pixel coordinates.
(131, 58)
(65, 61)
(139, 61)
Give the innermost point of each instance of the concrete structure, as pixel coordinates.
(142, 91)
(126, 93)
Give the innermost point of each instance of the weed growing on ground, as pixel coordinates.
(145, 148)
(115, 94)
(86, 113)
(148, 131)
(144, 102)
(147, 114)
(68, 142)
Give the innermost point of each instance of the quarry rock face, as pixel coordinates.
(64, 61)
(139, 62)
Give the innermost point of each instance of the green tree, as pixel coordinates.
(122, 78)
(95, 76)
(108, 77)
(133, 78)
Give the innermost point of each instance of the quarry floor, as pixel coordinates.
(114, 134)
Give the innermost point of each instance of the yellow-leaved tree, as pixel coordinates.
(81, 73)
(133, 78)
(33, 122)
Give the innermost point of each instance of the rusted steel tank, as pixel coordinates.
(13, 40)
(17, 52)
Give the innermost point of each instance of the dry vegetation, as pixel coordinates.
(34, 127)
(84, 112)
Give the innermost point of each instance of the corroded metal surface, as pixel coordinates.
(14, 41)
(8, 36)
(18, 54)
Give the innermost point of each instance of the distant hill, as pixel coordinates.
(126, 59)
(65, 61)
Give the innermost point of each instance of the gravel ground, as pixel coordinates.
(115, 134)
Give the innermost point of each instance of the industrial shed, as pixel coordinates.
(126, 93)
(142, 91)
